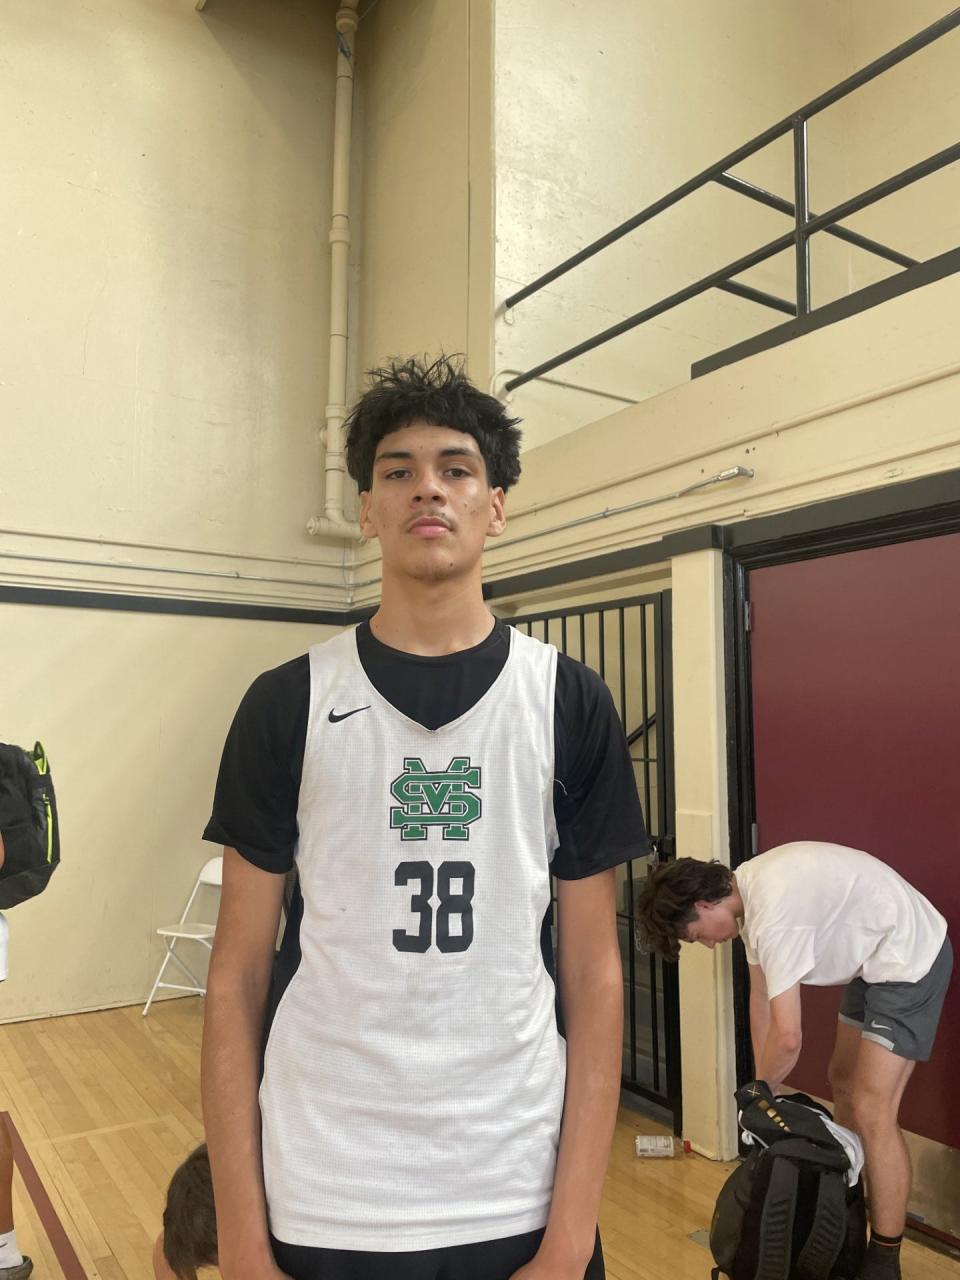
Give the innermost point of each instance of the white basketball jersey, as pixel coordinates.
(414, 1074)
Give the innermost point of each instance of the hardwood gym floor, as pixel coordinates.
(107, 1104)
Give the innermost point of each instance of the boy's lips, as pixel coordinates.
(429, 527)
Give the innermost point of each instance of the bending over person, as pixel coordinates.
(824, 915)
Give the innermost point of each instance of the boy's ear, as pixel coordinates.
(498, 518)
(367, 527)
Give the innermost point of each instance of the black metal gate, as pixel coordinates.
(628, 643)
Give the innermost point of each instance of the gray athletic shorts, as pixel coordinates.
(902, 1016)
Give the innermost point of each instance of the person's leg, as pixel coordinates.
(13, 1265)
(840, 1073)
(6, 1180)
(879, 1081)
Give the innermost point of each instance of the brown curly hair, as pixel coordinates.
(665, 907)
(189, 1218)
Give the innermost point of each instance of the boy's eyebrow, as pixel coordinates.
(454, 451)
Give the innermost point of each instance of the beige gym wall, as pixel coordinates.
(163, 323)
(133, 709)
(163, 344)
(904, 116)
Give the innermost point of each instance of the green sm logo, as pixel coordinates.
(435, 799)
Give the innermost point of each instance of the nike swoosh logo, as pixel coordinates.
(334, 718)
(880, 1026)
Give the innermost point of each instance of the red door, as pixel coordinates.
(855, 662)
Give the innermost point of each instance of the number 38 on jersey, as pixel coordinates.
(446, 800)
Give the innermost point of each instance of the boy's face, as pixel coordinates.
(715, 922)
(430, 503)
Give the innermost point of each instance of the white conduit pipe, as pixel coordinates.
(333, 523)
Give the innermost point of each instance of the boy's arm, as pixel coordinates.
(759, 1015)
(591, 996)
(238, 985)
(776, 1054)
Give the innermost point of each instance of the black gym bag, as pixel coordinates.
(28, 824)
(786, 1212)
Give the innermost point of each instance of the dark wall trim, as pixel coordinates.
(896, 512)
(905, 281)
(117, 602)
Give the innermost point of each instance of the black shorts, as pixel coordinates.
(490, 1260)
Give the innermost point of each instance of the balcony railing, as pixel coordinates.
(805, 225)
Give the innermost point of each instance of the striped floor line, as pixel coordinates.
(60, 1242)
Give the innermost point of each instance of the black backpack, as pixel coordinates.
(786, 1213)
(28, 824)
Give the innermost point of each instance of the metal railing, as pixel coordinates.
(805, 222)
(628, 643)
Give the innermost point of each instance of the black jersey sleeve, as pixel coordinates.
(258, 786)
(599, 818)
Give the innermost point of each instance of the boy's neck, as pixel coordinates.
(432, 619)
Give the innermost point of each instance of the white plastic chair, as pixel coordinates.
(188, 930)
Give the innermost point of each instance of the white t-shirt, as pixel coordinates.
(823, 914)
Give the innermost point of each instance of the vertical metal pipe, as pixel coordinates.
(801, 200)
(333, 522)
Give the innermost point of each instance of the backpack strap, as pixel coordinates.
(776, 1223)
(828, 1230)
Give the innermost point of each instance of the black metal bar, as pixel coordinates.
(871, 295)
(642, 729)
(663, 653)
(801, 190)
(645, 704)
(905, 50)
(583, 638)
(624, 602)
(601, 641)
(749, 189)
(654, 1021)
(897, 182)
(563, 633)
(649, 313)
(631, 950)
(758, 295)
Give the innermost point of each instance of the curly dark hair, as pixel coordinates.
(665, 903)
(189, 1218)
(441, 394)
